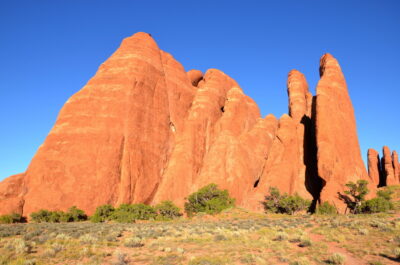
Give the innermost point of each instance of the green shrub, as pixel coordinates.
(277, 203)
(127, 213)
(376, 205)
(208, 199)
(72, 215)
(66, 218)
(103, 213)
(76, 214)
(385, 193)
(167, 210)
(11, 218)
(326, 209)
(55, 216)
(41, 216)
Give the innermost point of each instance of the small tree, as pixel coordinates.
(208, 199)
(356, 195)
(167, 210)
(271, 202)
(103, 213)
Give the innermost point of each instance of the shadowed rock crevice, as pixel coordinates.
(256, 183)
(313, 182)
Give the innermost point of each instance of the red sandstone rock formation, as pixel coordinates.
(396, 166)
(374, 166)
(195, 76)
(11, 194)
(339, 156)
(144, 130)
(387, 167)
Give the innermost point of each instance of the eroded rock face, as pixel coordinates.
(339, 156)
(144, 130)
(195, 76)
(374, 167)
(300, 99)
(387, 166)
(396, 166)
(12, 190)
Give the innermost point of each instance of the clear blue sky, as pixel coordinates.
(50, 49)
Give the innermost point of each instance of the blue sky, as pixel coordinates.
(50, 49)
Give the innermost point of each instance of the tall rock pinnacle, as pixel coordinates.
(339, 156)
(388, 167)
(374, 166)
(396, 166)
(300, 99)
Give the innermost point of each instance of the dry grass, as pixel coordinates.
(233, 237)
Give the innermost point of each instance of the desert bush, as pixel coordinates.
(300, 261)
(337, 259)
(11, 218)
(220, 237)
(385, 193)
(41, 216)
(363, 231)
(305, 242)
(376, 205)
(127, 213)
(281, 236)
(76, 215)
(121, 258)
(290, 204)
(72, 215)
(326, 209)
(134, 242)
(103, 213)
(20, 246)
(208, 199)
(167, 210)
(87, 239)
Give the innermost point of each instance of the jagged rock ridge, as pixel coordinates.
(144, 130)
